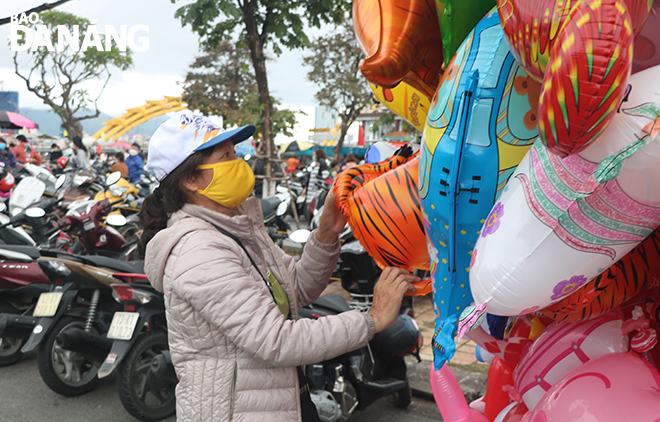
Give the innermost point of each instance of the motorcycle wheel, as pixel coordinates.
(403, 397)
(143, 395)
(10, 350)
(10, 347)
(66, 372)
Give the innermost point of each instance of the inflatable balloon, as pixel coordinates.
(612, 388)
(449, 398)
(582, 51)
(457, 18)
(619, 283)
(647, 44)
(383, 150)
(481, 123)
(402, 42)
(383, 209)
(561, 222)
(563, 347)
(512, 413)
(405, 101)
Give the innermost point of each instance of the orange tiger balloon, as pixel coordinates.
(382, 204)
(613, 287)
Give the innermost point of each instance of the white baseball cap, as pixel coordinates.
(179, 137)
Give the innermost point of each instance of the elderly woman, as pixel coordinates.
(231, 294)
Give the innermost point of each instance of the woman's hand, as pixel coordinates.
(332, 220)
(389, 290)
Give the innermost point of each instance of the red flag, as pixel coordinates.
(361, 136)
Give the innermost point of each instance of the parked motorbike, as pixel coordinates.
(73, 319)
(274, 209)
(146, 380)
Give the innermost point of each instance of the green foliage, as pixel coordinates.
(222, 82)
(56, 76)
(279, 23)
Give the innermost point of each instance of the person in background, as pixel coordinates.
(25, 152)
(80, 158)
(6, 155)
(292, 164)
(135, 163)
(120, 165)
(350, 161)
(55, 153)
(334, 168)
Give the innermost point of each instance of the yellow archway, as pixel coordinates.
(115, 128)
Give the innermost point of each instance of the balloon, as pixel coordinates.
(383, 150)
(449, 398)
(561, 222)
(612, 388)
(383, 209)
(612, 287)
(402, 42)
(647, 44)
(481, 123)
(457, 18)
(500, 374)
(509, 349)
(405, 101)
(563, 347)
(582, 51)
(512, 413)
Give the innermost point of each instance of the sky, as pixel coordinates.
(158, 71)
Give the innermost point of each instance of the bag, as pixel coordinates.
(308, 411)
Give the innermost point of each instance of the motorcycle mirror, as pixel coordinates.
(115, 220)
(113, 178)
(60, 181)
(300, 236)
(35, 212)
(247, 157)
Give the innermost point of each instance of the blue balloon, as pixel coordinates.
(476, 133)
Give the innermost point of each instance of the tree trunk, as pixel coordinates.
(255, 42)
(71, 125)
(336, 154)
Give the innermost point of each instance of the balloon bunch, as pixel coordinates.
(537, 192)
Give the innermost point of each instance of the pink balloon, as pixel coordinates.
(449, 397)
(612, 388)
(563, 347)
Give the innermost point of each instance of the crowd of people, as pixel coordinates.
(76, 155)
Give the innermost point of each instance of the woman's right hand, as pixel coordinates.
(389, 290)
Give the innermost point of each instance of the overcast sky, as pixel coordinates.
(156, 71)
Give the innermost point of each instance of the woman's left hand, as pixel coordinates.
(332, 220)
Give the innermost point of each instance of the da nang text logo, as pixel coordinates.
(22, 37)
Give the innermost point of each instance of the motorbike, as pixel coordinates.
(146, 380)
(73, 319)
(274, 209)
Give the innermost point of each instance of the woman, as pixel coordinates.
(120, 165)
(232, 307)
(80, 159)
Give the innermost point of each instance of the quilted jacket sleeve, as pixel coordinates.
(216, 279)
(312, 272)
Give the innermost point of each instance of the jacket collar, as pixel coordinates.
(243, 218)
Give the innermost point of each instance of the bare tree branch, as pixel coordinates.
(45, 6)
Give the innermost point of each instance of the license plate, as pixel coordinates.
(123, 324)
(47, 304)
(88, 226)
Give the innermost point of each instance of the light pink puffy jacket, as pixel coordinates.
(234, 353)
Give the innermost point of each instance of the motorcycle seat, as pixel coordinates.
(269, 205)
(135, 267)
(335, 302)
(30, 251)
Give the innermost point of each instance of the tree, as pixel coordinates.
(38, 9)
(57, 77)
(335, 67)
(262, 24)
(222, 83)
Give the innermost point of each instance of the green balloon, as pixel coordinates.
(457, 18)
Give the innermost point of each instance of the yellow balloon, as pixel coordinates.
(405, 101)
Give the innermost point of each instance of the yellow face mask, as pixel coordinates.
(232, 182)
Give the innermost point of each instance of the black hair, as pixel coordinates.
(135, 144)
(77, 141)
(168, 198)
(351, 158)
(21, 138)
(120, 156)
